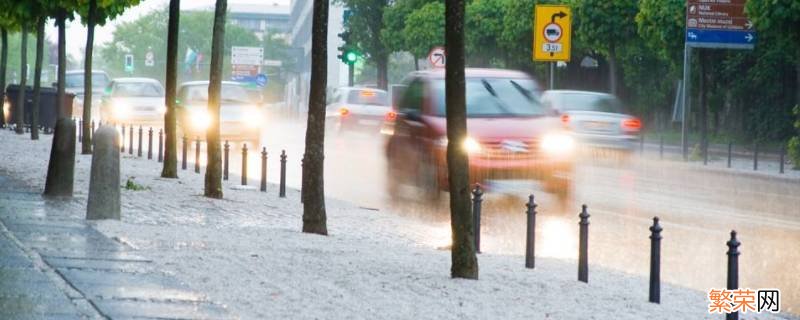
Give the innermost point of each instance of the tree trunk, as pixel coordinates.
(382, 64)
(612, 69)
(3, 67)
(213, 187)
(37, 78)
(86, 146)
(19, 111)
(796, 74)
(61, 167)
(170, 169)
(464, 262)
(416, 63)
(314, 216)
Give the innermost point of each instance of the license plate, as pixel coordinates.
(596, 125)
(368, 122)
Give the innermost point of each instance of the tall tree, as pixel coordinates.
(394, 23)
(3, 66)
(424, 29)
(463, 259)
(484, 24)
(365, 25)
(37, 77)
(19, 111)
(314, 216)
(170, 169)
(606, 26)
(780, 19)
(213, 185)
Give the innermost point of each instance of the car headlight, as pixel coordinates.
(162, 109)
(120, 110)
(471, 145)
(558, 144)
(200, 119)
(252, 117)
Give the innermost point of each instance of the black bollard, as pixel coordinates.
(733, 269)
(730, 151)
(302, 172)
(197, 155)
(150, 144)
(263, 169)
(244, 164)
(583, 246)
(661, 148)
(80, 132)
(782, 158)
(130, 144)
(227, 151)
(122, 142)
(655, 262)
(477, 199)
(183, 158)
(160, 145)
(139, 151)
(282, 189)
(91, 133)
(755, 156)
(530, 239)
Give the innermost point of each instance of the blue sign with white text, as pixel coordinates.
(720, 38)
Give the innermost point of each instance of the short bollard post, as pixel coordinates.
(139, 151)
(730, 152)
(150, 144)
(226, 151)
(583, 246)
(80, 131)
(661, 148)
(130, 144)
(160, 145)
(104, 192)
(302, 172)
(91, 133)
(263, 169)
(733, 269)
(655, 262)
(477, 199)
(755, 156)
(244, 164)
(282, 189)
(782, 158)
(183, 156)
(530, 238)
(197, 155)
(122, 142)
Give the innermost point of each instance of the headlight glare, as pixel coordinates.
(471, 145)
(558, 144)
(200, 119)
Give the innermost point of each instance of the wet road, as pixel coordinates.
(698, 208)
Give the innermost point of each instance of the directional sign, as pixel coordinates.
(149, 59)
(552, 33)
(437, 57)
(718, 24)
(247, 55)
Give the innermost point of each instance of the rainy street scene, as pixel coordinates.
(400, 159)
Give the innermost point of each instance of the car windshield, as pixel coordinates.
(587, 102)
(75, 80)
(368, 97)
(496, 97)
(137, 89)
(230, 93)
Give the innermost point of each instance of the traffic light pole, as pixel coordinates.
(350, 68)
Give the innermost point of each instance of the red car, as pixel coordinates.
(511, 134)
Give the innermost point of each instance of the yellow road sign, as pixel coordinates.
(552, 33)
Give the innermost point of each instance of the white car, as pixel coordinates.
(138, 101)
(352, 108)
(74, 84)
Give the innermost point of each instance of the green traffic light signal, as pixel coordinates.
(350, 57)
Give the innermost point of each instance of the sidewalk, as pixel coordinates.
(246, 253)
(54, 266)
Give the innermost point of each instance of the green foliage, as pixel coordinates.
(660, 24)
(424, 29)
(484, 21)
(131, 184)
(365, 24)
(604, 25)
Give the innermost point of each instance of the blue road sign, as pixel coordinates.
(261, 80)
(720, 38)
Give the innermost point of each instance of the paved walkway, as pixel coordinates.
(55, 266)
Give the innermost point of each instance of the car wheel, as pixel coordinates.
(427, 181)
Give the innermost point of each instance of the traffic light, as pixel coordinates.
(350, 57)
(347, 54)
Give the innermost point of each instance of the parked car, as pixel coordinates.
(138, 101)
(73, 83)
(511, 135)
(351, 108)
(240, 114)
(597, 120)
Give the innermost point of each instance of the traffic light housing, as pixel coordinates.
(347, 54)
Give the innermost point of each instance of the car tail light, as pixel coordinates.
(565, 118)
(631, 124)
(343, 112)
(391, 116)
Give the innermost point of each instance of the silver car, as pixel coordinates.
(351, 108)
(596, 119)
(74, 84)
(134, 101)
